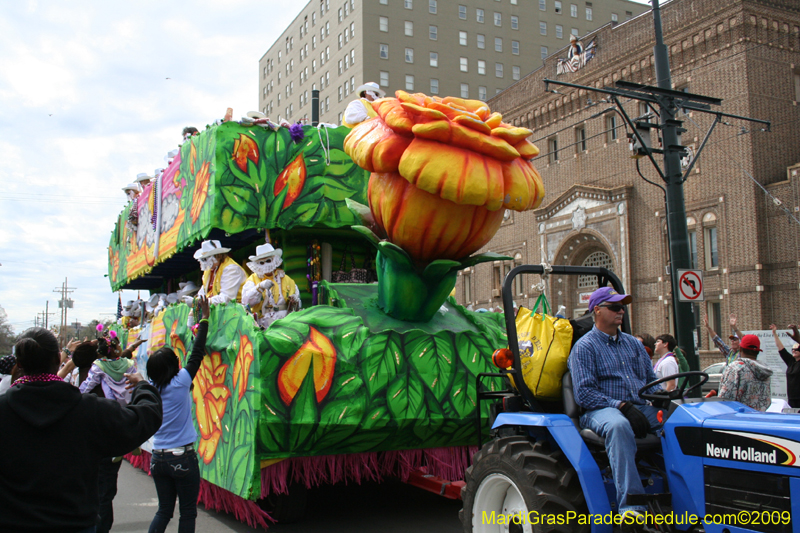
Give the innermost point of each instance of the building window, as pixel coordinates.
(353, 56)
(340, 14)
(588, 13)
(409, 55)
(714, 319)
(797, 85)
(481, 39)
(408, 4)
(462, 38)
(611, 127)
(712, 252)
(384, 78)
(515, 47)
(340, 67)
(464, 90)
(341, 41)
(340, 94)
(432, 7)
(464, 64)
(543, 28)
(467, 288)
(580, 139)
(574, 31)
(313, 42)
(384, 51)
(596, 259)
(409, 28)
(614, 18)
(409, 82)
(434, 59)
(481, 92)
(515, 73)
(558, 6)
(692, 244)
(383, 23)
(498, 70)
(479, 15)
(552, 145)
(514, 22)
(462, 12)
(384, 2)
(433, 32)
(482, 67)
(352, 30)
(313, 18)
(498, 44)
(543, 5)
(559, 31)
(498, 19)
(434, 86)
(628, 15)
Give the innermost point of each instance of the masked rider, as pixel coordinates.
(222, 276)
(269, 292)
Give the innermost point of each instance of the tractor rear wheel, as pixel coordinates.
(514, 485)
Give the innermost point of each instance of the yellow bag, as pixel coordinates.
(544, 345)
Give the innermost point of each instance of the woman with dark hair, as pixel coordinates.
(174, 466)
(46, 420)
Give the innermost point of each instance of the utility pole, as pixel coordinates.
(667, 103)
(45, 316)
(64, 303)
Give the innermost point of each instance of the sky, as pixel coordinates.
(91, 94)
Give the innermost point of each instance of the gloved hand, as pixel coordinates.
(265, 285)
(638, 420)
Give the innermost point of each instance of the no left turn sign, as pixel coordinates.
(690, 286)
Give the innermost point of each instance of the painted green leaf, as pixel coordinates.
(303, 414)
(286, 339)
(476, 353)
(382, 360)
(339, 419)
(428, 429)
(433, 357)
(405, 397)
(462, 393)
(239, 467)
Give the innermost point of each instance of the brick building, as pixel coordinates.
(599, 211)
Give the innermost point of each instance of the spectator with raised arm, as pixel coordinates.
(792, 366)
(729, 352)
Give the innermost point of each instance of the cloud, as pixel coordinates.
(87, 105)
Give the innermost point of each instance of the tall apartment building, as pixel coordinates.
(467, 48)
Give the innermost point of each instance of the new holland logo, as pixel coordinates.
(752, 448)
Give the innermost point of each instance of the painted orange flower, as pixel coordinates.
(241, 367)
(318, 351)
(177, 344)
(293, 176)
(443, 171)
(200, 191)
(192, 156)
(210, 399)
(114, 257)
(244, 148)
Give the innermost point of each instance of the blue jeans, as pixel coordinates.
(612, 425)
(175, 476)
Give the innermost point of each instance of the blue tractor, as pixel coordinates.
(715, 466)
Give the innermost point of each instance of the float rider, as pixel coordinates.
(360, 110)
(269, 292)
(222, 276)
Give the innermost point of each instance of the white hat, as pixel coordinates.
(142, 176)
(209, 248)
(371, 86)
(256, 114)
(158, 171)
(129, 305)
(264, 251)
(187, 288)
(131, 187)
(152, 303)
(172, 298)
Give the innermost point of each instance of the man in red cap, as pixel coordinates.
(745, 380)
(608, 368)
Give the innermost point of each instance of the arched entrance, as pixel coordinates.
(581, 249)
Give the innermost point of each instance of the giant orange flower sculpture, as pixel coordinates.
(210, 399)
(200, 191)
(444, 170)
(241, 367)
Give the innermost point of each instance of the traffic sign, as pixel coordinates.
(690, 286)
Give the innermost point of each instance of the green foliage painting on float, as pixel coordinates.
(234, 178)
(331, 379)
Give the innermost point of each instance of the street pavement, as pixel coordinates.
(389, 507)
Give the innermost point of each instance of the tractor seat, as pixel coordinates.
(574, 412)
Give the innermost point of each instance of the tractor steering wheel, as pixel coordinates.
(674, 394)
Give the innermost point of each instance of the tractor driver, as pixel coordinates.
(608, 368)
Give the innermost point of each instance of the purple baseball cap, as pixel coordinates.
(608, 294)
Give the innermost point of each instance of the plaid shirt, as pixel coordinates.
(607, 371)
(725, 350)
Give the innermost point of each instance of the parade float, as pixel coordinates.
(367, 380)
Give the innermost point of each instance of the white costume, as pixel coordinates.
(269, 292)
(231, 276)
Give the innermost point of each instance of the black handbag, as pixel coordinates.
(354, 275)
